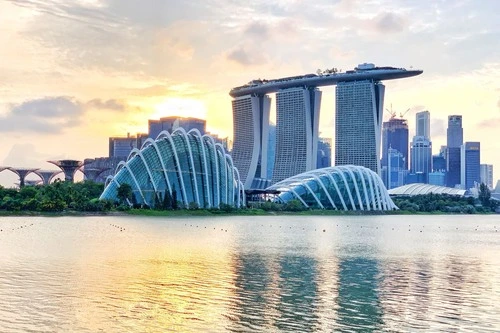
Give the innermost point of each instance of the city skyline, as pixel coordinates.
(74, 75)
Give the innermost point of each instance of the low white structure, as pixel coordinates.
(346, 187)
(419, 189)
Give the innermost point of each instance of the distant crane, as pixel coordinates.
(393, 113)
(401, 115)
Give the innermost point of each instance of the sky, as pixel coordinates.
(73, 73)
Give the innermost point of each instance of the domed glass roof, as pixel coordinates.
(191, 167)
(346, 187)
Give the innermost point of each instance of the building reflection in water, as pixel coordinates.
(358, 298)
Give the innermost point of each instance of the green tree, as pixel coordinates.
(124, 192)
(484, 195)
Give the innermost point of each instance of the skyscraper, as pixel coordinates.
(486, 171)
(421, 156)
(395, 136)
(324, 153)
(251, 130)
(358, 122)
(454, 140)
(470, 162)
(359, 97)
(423, 121)
(454, 132)
(297, 124)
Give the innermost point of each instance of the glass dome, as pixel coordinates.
(346, 187)
(190, 166)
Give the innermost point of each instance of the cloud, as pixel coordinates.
(493, 123)
(245, 57)
(257, 29)
(44, 115)
(390, 23)
(53, 115)
(25, 155)
(110, 104)
(438, 128)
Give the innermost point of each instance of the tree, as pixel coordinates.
(124, 192)
(484, 195)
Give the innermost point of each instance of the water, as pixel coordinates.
(234, 274)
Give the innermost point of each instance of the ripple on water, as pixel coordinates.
(161, 275)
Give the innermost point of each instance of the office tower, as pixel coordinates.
(396, 170)
(421, 156)
(122, 146)
(454, 132)
(454, 140)
(437, 178)
(251, 130)
(358, 122)
(470, 165)
(395, 136)
(423, 122)
(439, 162)
(170, 124)
(486, 171)
(324, 153)
(297, 123)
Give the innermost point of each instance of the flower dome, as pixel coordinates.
(191, 167)
(346, 187)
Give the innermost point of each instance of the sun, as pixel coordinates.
(180, 107)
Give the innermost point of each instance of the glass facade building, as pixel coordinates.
(192, 166)
(395, 136)
(470, 171)
(347, 187)
(297, 124)
(358, 122)
(250, 138)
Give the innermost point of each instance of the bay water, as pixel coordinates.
(432, 273)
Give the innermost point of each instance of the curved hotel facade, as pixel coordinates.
(347, 187)
(190, 167)
(359, 106)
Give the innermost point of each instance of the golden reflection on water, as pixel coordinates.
(120, 274)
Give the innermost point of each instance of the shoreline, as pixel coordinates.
(244, 212)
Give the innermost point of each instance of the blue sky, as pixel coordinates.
(75, 73)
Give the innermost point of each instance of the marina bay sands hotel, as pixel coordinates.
(359, 100)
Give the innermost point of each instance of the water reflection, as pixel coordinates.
(358, 299)
(83, 276)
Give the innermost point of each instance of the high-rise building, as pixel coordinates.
(423, 121)
(454, 140)
(359, 96)
(486, 171)
(421, 156)
(395, 136)
(251, 130)
(122, 146)
(324, 159)
(358, 122)
(396, 170)
(470, 162)
(454, 132)
(170, 124)
(271, 150)
(297, 124)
